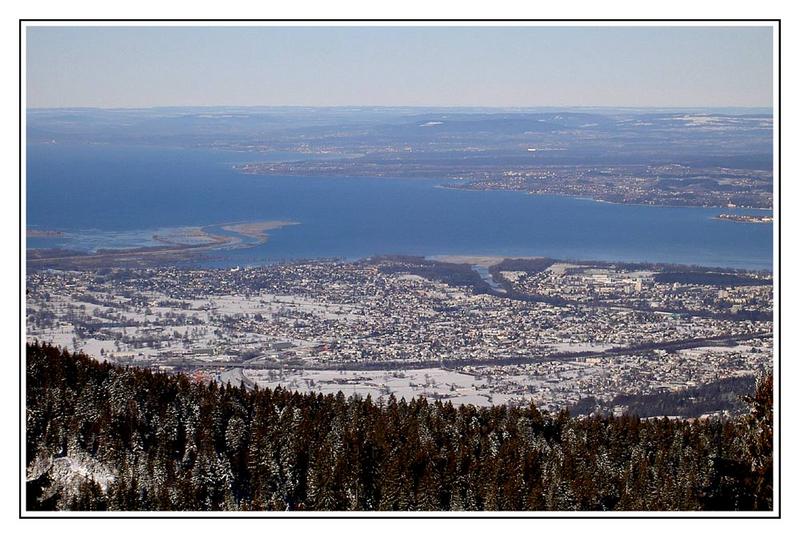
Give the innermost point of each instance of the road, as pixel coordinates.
(670, 345)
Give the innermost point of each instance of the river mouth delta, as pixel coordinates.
(166, 246)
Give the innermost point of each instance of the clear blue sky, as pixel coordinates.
(505, 66)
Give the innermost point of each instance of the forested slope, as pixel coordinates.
(102, 437)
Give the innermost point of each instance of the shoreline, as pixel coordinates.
(746, 219)
(601, 201)
(170, 250)
(455, 187)
(257, 230)
(189, 253)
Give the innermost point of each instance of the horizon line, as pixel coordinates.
(345, 106)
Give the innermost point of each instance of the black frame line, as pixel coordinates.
(389, 515)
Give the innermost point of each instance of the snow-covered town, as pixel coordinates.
(520, 330)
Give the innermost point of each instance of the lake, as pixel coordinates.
(118, 196)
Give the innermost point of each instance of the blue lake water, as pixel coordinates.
(105, 195)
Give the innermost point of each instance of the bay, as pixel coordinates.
(118, 196)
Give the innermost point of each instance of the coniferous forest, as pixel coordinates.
(104, 437)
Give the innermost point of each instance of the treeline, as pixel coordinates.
(103, 437)
(723, 395)
(692, 402)
(453, 274)
(528, 265)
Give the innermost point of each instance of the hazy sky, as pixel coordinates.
(612, 66)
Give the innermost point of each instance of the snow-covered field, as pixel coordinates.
(434, 384)
(479, 388)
